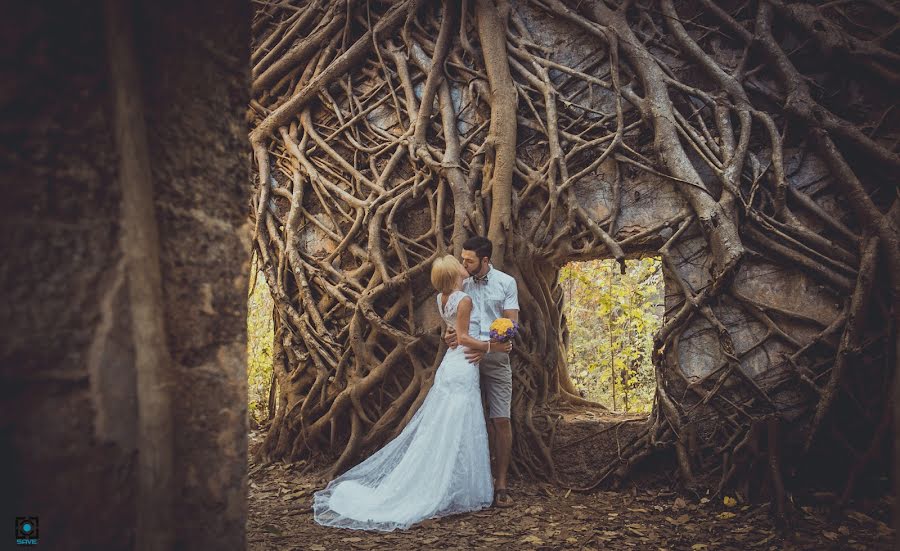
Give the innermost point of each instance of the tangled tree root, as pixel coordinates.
(386, 133)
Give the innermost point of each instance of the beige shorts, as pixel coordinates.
(496, 383)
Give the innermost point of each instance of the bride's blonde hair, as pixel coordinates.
(444, 273)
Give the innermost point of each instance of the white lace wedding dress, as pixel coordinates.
(439, 465)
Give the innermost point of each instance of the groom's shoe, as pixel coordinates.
(502, 499)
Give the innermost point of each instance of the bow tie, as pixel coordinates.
(481, 280)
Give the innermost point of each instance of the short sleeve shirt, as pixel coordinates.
(490, 299)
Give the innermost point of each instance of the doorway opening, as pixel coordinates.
(611, 319)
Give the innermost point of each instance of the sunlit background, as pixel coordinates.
(611, 319)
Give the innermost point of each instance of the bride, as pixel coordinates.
(439, 465)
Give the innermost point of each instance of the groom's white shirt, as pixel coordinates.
(490, 299)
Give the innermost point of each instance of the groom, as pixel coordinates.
(494, 295)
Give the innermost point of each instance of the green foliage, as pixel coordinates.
(260, 337)
(611, 319)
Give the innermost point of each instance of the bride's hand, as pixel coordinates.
(473, 356)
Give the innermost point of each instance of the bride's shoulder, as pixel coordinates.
(460, 296)
(454, 297)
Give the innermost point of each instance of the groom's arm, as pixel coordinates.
(511, 308)
(511, 314)
(511, 302)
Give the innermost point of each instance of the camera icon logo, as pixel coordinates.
(26, 530)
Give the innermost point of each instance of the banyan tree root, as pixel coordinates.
(385, 133)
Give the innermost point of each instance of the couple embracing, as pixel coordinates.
(441, 463)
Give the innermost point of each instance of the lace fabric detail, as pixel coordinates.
(439, 464)
(448, 312)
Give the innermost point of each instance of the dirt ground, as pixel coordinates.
(545, 517)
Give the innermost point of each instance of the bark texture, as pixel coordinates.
(125, 247)
(730, 139)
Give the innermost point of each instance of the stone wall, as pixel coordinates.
(71, 430)
(648, 200)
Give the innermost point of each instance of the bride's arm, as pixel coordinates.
(463, 313)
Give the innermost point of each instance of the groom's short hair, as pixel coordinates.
(481, 245)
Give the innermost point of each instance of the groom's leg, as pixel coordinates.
(497, 377)
(502, 447)
(492, 447)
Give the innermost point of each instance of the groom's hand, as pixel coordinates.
(450, 338)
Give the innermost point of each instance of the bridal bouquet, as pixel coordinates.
(504, 329)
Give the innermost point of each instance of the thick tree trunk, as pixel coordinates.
(579, 130)
(500, 144)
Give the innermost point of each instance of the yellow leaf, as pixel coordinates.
(726, 515)
(729, 501)
(532, 539)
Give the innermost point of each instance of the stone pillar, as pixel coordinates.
(124, 173)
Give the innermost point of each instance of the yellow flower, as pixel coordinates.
(502, 325)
